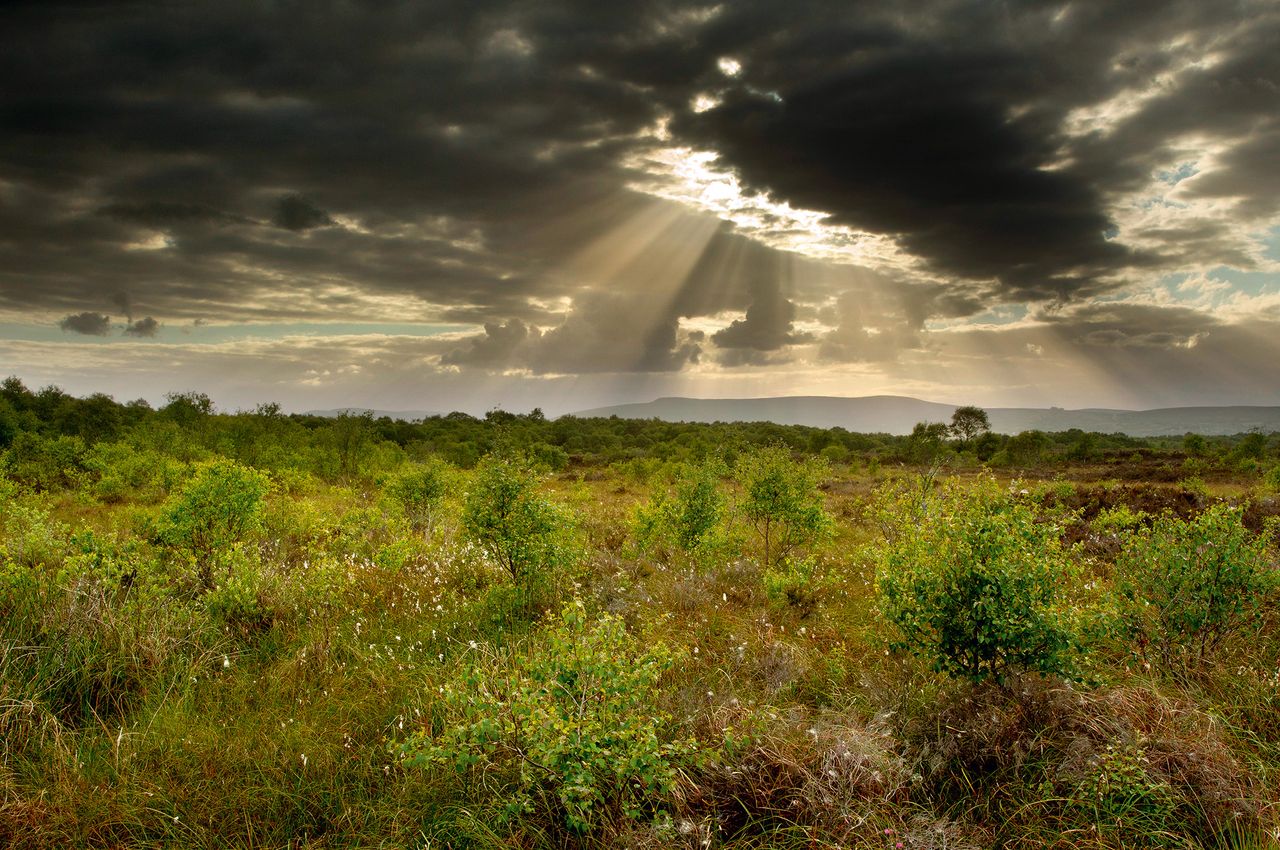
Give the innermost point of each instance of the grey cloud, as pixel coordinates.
(294, 212)
(473, 145)
(608, 332)
(1132, 325)
(124, 302)
(165, 213)
(495, 348)
(766, 326)
(1249, 172)
(89, 324)
(868, 328)
(144, 327)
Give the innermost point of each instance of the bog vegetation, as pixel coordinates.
(272, 631)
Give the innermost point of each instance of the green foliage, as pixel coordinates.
(1252, 447)
(968, 424)
(549, 457)
(241, 601)
(781, 502)
(1188, 583)
(571, 724)
(188, 410)
(136, 712)
(1118, 794)
(9, 423)
(53, 463)
(116, 567)
(1027, 448)
(32, 537)
(419, 490)
(349, 437)
(220, 505)
(690, 520)
(975, 583)
(517, 527)
(795, 583)
(926, 444)
(1118, 519)
(130, 473)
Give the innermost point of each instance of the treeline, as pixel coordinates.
(51, 438)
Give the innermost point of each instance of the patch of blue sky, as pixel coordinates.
(214, 334)
(1001, 314)
(1273, 244)
(1250, 283)
(1247, 283)
(1174, 176)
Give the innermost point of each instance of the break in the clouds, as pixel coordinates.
(946, 198)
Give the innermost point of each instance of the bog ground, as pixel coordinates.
(269, 631)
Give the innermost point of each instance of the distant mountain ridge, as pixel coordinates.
(406, 415)
(899, 414)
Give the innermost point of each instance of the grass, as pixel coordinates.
(147, 721)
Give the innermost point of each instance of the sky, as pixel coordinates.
(473, 204)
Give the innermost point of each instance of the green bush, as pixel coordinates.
(689, 520)
(976, 584)
(1271, 480)
(242, 600)
(781, 502)
(571, 724)
(1188, 583)
(126, 472)
(118, 568)
(1119, 794)
(45, 464)
(795, 583)
(419, 490)
(32, 537)
(222, 504)
(517, 527)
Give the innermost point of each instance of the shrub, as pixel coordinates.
(549, 457)
(1188, 583)
(1119, 792)
(1271, 480)
(517, 527)
(126, 472)
(781, 501)
(220, 505)
(45, 464)
(32, 537)
(243, 601)
(976, 585)
(689, 519)
(420, 490)
(571, 724)
(795, 583)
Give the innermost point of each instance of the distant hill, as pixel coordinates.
(406, 415)
(898, 414)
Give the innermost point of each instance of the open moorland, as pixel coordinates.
(272, 631)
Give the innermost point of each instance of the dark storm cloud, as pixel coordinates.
(294, 212)
(948, 133)
(89, 324)
(246, 161)
(164, 213)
